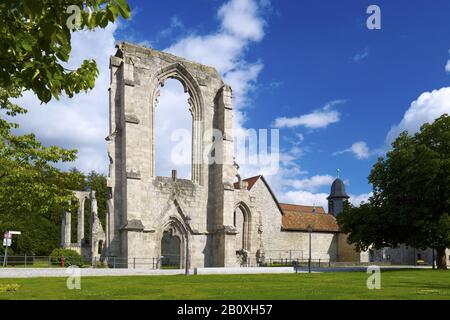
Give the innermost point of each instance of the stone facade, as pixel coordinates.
(275, 243)
(143, 206)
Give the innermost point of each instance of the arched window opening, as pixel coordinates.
(173, 131)
(100, 247)
(241, 226)
(87, 221)
(74, 223)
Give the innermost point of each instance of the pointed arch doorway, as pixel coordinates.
(173, 246)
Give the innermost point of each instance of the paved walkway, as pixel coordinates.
(90, 272)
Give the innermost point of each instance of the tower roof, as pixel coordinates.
(338, 190)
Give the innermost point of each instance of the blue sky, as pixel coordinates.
(338, 91)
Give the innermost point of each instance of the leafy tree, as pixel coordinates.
(35, 42)
(35, 45)
(40, 222)
(411, 195)
(71, 257)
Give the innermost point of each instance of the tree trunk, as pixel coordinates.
(441, 258)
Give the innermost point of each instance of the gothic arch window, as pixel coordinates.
(196, 106)
(242, 222)
(173, 131)
(87, 204)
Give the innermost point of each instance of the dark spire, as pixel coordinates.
(338, 189)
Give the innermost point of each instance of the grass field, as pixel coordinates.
(417, 284)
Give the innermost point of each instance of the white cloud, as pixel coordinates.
(363, 54)
(305, 198)
(321, 118)
(219, 50)
(356, 200)
(427, 108)
(241, 18)
(359, 149)
(81, 122)
(311, 184)
(242, 80)
(175, 24)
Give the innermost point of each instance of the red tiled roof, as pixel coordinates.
(250, 182)
(301, 208)
(298, 218)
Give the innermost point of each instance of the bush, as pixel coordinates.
(71, 257)
(9, 287)
(101, 265)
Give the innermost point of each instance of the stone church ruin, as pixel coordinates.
(223, 220)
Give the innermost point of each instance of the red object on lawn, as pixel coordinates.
(62, 262)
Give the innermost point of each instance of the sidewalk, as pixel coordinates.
(90, 272)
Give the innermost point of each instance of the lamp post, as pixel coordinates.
(310, 230)
(187, 221)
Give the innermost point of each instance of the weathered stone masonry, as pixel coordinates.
(143, 206)
(230, 222)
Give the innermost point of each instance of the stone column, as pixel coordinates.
(65, 229)
(225, 231)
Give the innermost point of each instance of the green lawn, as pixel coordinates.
(417, 284)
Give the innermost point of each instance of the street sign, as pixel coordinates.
(7, 239)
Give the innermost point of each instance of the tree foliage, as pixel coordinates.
(40, 220)
(35, 42)
(35, 46)
(411, 195)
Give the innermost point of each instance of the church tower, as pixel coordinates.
(337, 197)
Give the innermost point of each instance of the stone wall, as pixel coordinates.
(347, 252)
(402, 255)
(286, 244)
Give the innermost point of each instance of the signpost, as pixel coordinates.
(7, 240)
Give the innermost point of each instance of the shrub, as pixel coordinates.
(101, 265)
(9, 287)
(71, 257)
